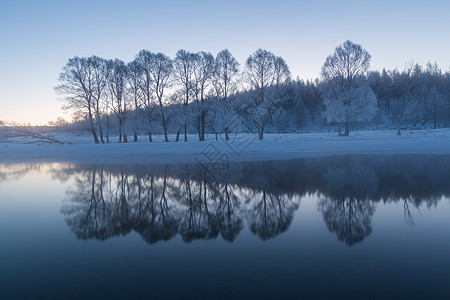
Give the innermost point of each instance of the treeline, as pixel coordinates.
(196, 92)
(417, 95)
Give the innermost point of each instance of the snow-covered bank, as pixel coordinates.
(243, 147)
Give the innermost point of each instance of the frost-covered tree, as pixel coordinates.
(408, 91)
(161, 79)
(348, 97)
(178, 112)
(381, 84)
(446, 89)
(134, 92)
(203, 72)
(145, 63)
(77, 90)
(357, 104)
(435, 98)
(119, 102)
(312, 99)
(294, 108)
(184, 66)
(265, 74)
(226, 70)
(100, 70)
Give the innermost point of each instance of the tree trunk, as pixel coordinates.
(398, 126)
(435, 118)
(216, 136)
(185, 132)
(120, 131)
(199, 129)
(178, 136)
(94, 134)
(100, 129)
(125, 138)
(261, 132)
(203, 124)
(136, 106)
(347, 129)
(226, 134)
(149, 136)
(107, 129)
(101, 134)
(166, 139)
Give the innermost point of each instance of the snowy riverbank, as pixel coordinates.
(243, 147)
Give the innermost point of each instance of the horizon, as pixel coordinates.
(39, 38)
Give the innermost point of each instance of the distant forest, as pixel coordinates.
(199, 93)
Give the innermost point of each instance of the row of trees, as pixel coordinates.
(184, 89)
(201, 93)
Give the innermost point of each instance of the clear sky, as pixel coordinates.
(38, 37)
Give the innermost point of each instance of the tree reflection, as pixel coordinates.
(407, 212)
(16, 171)
(229, 219)
(155, 218)
(160, 202)
(199, 219)
(349, 218)
(347, 210)
(89, 214)
(270, 214)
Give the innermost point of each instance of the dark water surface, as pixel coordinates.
(346, 226)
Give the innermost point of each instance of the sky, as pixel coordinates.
(38, 37)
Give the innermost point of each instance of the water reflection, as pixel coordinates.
(16, 171)
(159, 202)
(108, 201)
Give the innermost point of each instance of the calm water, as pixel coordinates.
(345, 226)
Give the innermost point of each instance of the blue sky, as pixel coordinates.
(38, 37)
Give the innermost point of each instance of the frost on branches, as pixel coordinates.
(352, 105)
(348, 97)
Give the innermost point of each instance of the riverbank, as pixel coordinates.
(242, 147)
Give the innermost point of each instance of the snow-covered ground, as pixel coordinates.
(242, 147)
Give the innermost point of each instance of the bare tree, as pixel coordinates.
(161, 78)
(265, 73)
(203, 72)
(184, 64)
(134, 92)
(226, 70)
(100, 71)
(77, 89)
(117, 88)
(145, 62)
(347, 91)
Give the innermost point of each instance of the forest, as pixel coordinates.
(199, 93)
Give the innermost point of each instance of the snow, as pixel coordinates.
(242, 147)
